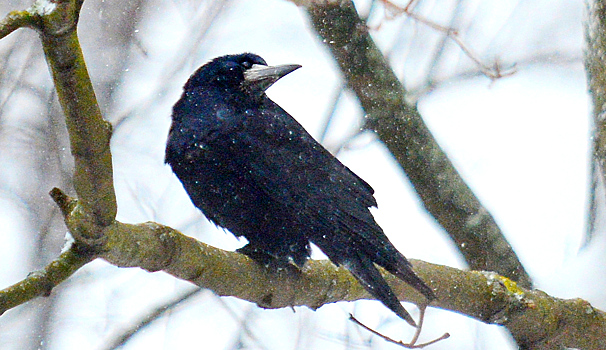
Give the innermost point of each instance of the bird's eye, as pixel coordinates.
(247, 64)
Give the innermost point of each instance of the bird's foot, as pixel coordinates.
(271, 262)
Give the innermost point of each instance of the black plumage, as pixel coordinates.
(254, 170)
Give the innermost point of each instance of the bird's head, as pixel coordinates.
(246, 72)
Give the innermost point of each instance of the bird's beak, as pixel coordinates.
(259, 77)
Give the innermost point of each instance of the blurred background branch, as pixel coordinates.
(400, 126)
(595, 64)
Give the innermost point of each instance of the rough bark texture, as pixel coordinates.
(595, 66)
(535, 319)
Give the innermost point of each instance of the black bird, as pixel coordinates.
(252, 169)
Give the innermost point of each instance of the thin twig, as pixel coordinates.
(413, 343)
(146, 320)
(42, 282)
(493, 72)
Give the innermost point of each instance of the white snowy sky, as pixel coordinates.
(521, 143)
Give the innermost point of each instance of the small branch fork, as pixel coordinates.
(413, 342)
(493, 72)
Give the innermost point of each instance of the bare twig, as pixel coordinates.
(153, 314)
(41, 282)
(412, 344)
(492, 71)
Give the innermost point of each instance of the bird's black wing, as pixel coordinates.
(205, 152)
(295, 170)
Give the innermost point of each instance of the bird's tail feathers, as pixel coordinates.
(369, 277)
(403, 270)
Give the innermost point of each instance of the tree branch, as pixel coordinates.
(400, 126)
(595, 66)
(16, 20)
(89, 133)
(533, 317)
(41, 282)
